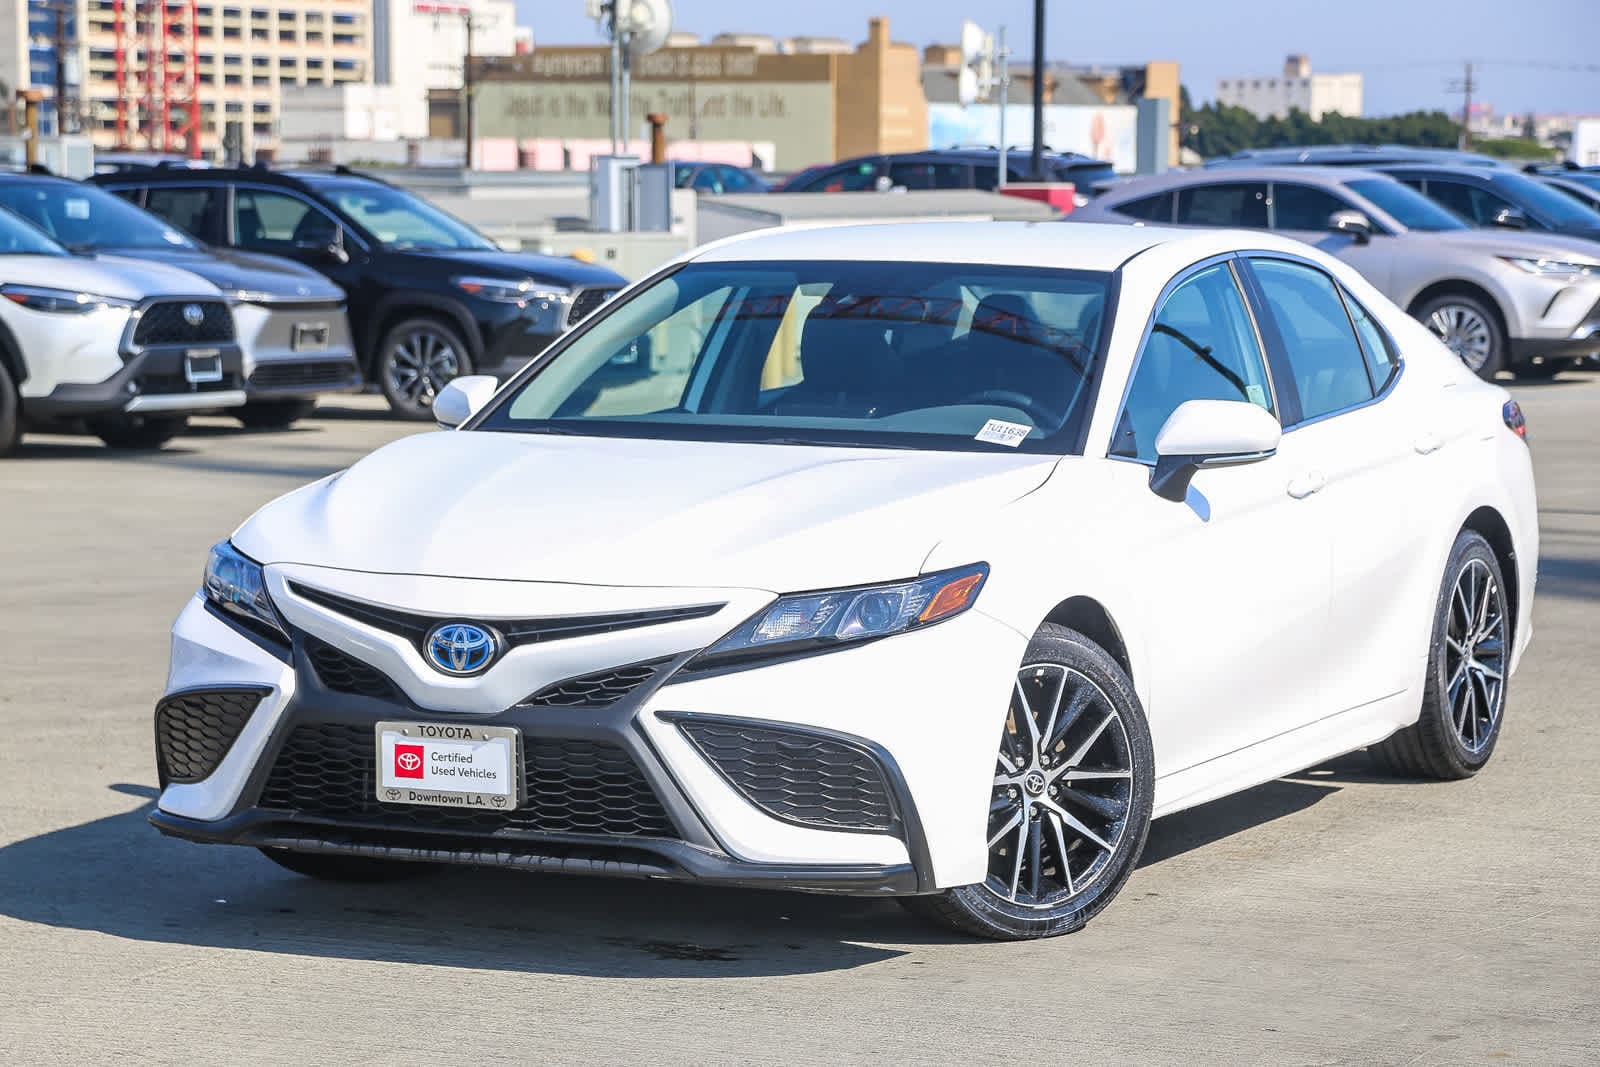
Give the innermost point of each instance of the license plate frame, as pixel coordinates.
(470, 751)
(308, 337)
(202, 367)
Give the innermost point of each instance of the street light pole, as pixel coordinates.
(1003, 65)
(1038, 91)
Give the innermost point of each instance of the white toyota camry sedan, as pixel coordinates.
(927, 560)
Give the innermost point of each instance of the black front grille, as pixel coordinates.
(284, 375)
(167, 323)
(343, 673)
(163, 384)
(569, 787)
(195, 730)
(798, 777)
(414, 627)
(585, 302)
(598, 690)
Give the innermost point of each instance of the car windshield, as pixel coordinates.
(19, 238)
(85, 218)
(1405, 205)
(892, 355)
(401, 221)
(1539, 199)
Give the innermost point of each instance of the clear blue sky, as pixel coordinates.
(1409, 50)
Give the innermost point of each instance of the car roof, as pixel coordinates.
(1050, 245)
(1488, 174)
(1178, 179)
(1379, 153)
(301, 177)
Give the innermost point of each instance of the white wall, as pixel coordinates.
(419, 43)
(1270, 95)
(354, 112)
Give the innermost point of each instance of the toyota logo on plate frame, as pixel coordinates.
(460, 648)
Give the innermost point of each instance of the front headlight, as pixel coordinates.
(809, 622)
(508, 291)
(235, 586)
(59, 301)
(1554, 268)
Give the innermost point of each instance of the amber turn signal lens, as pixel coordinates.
(952, 598)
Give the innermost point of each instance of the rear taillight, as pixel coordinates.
(1515, 421)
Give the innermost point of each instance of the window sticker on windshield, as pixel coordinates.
(1001, 432)
(77, 208)
(1257, 395)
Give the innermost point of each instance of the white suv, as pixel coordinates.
(124, 348)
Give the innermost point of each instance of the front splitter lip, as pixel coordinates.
(611, 857)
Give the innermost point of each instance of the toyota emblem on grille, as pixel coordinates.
(194, 314)
(460, 648)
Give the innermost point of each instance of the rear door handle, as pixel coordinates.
(1306, 484)
(1427, 443)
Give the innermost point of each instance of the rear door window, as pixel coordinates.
(194, 209)
(1241, 204)
(1477, 206)
(929, 175)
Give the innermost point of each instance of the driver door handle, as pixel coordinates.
(1427, 443)
(1306, 484)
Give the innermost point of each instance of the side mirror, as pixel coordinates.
(463, 398)
(1210, 433)
(328, 244)
(1510, 218)
(1354, 223)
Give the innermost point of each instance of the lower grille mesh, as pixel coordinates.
(798, 777)
(195, 730)
(597, 690)
(569, 787)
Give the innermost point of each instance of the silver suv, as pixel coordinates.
(1523, 302)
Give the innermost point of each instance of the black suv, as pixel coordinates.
(946, 168)
(430, 298)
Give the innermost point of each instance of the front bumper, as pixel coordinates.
(152, 381)
(920, 724)
(1568, 328)
(296, 349)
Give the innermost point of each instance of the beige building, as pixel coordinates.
(813, 103)
(246, 54)
(1297, 89)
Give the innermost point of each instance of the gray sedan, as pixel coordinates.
(1502, 300)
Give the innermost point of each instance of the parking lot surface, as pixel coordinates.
(1332, 917)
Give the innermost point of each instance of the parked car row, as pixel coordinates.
(1502, 268)
(252, 291)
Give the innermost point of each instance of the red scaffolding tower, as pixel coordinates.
(158, 75)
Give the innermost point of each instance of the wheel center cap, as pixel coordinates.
(1033, 784)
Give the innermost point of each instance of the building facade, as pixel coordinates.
(1296, 89)
(812, 105)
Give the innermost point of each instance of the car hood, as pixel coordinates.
(1517, 243)
(609, 511)
(553, 270)
(113, 276)
(233, 271)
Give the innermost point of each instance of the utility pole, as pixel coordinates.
(1466, 109)
(467, 87)
(60, 43)
(1002, 66)
(1038, 91)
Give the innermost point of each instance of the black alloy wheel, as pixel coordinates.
(1070, 806)
(1464, 697)
(416, 360)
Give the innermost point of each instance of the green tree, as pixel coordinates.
(1219, 130)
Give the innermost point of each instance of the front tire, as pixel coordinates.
(273, 414)
(139, 432)
(1470, 328)
(1070, 808)
(1463, 700)
(10, 413)
(416, 359)
(331, 867)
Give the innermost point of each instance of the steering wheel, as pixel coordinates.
(1041, 416)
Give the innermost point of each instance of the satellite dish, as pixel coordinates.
(647, 23)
